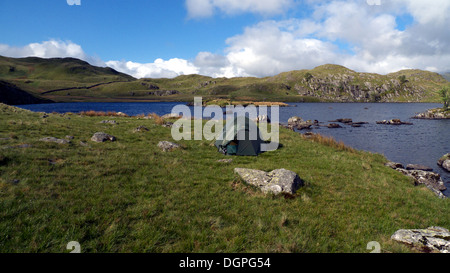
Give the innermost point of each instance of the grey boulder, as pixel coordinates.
(432, 238)
(109, 121)
(276, 182)
(102, 137)
(168, 146)
(444, 162)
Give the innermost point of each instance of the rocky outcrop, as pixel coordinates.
(438, 113)
(167, 146)
(444, 162)
(340, 84)
(435, 239)
(162, 93)
(431, 180)
(102, 137)
(276, 182)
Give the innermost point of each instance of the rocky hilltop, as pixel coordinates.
(338, 83)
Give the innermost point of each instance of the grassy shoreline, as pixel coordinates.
(129, 196)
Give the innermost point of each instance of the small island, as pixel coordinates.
(438, 113)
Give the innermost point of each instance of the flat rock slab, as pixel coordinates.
(225, 160)
(432, 238)
(168, 146)
(109, 121)
(102, 137)
(276, 182)
(55, 140)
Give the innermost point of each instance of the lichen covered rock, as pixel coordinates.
(432, 238)
(276, 182)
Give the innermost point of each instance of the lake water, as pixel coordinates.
(422, 143)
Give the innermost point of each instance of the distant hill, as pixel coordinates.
(69, 79)
(67, 69)
(10, 94)
(446, 76)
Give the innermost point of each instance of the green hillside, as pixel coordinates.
(69, 79)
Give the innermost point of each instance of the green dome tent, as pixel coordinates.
(240, 137)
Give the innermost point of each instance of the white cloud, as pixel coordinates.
(50, 49)
(207, 8)
(272, 47)
(351, 33)
(435, 12)
(158, 69)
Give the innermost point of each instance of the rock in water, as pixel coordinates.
(334, 125)
(276, 181)
(418, 167)
(295, 121)
(102, 137)
(394, 122)
(444, 162)
(167, 146)
(432, 238)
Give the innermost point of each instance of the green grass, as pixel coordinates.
(129, 196)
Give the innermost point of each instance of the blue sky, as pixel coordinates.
(138, 30)
(149, 38)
